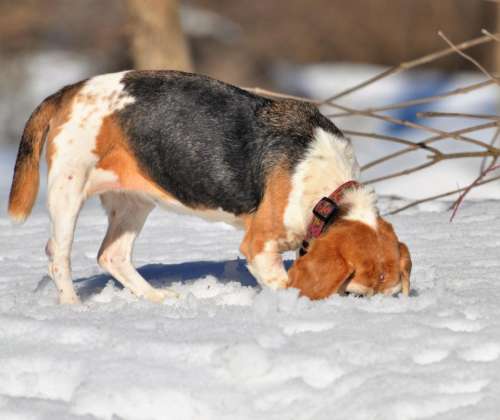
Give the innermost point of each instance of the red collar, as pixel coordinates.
(324, 213)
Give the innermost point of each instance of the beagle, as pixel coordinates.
(191, 143)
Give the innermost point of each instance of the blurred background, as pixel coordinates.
(313, 48)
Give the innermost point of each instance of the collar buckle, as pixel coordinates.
(324, 213)
(325, 209)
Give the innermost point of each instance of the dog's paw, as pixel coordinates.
(159, 295)
(278, 283)
(69, 299)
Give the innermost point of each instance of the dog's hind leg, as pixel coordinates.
(126, 216)
(65, 199)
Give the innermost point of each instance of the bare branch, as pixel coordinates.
(404, 172)
(420, 101)
(272, 94)
(433, 140)
(460, 199)
(487, 33)
(435, 197)
(432, 161)
(392, 139)
(492, 143)
(411, 124)
(411, 64)
(482, 173)
(468, 57)
(430, 114)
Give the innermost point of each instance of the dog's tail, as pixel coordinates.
(26, 178)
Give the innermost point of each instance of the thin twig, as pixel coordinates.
(429, 141)
(411, 64)
(432, 114)
(456, 205)
(462, 155)
(468, 57)
(492, 143)
(432, 161)
(273, 94)
(483, 172)
(411, 124)
(392, 139)
(487, 33)
(420, 101)
(435, 197)
(403, 172)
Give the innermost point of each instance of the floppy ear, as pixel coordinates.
(404, 268)
(318, 278)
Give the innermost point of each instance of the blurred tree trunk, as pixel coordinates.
(157, 39)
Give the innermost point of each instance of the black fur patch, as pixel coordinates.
(210, 144)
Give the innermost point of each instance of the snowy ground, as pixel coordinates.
(228, 350)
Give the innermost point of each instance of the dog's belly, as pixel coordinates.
(211, 215)
(122, 178)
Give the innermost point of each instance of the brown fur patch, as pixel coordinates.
(405, 265)
(351, 252)
(58, 120)
(26, 173)
(267, 222)
(116, 156)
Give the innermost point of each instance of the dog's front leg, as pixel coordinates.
(265, 262)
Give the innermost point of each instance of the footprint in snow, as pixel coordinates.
(250, 363)
(298, 327)
(459, 325)
(430, 356)
(486, 352)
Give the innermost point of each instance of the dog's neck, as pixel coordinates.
(329, 163)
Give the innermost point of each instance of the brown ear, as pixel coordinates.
(404, 268)
(316, 277)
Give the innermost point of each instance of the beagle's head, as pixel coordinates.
(353, 257)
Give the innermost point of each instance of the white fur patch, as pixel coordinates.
(359, 289)
(210, 215)
(100, 180)
(267, 267)
(75, 142)
(362, 201)
(393, 290)
(329, 162)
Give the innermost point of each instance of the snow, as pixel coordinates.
(228, 350)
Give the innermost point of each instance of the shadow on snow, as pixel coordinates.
(164, 275)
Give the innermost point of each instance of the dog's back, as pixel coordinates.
(177, 130)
